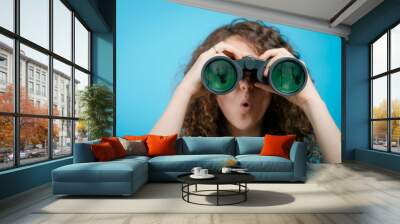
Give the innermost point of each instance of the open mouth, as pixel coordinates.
(245, 106)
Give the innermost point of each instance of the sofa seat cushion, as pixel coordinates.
(257, 163)
(133, 158)
(112, 171)
(185, 163)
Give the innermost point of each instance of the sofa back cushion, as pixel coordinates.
(206, 145)
(83, 152)
(249, 145)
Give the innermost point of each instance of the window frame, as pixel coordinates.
(388, 74)
(16, 115)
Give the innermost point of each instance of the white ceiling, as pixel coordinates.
(328, 16)
(321, 9)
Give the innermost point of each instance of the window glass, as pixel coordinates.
(7, 14)
(395, 136)
(379, 135)
(379, 56)
(33, 140)
(6, 142)
(39, 62)
(379, 97)
(395, 94)
(62, 29)
(62, 91)
(62, 137)
(81, 82)
(34, 21)
(6, 74)
(81, 45)
(395, 47)
(81, 131)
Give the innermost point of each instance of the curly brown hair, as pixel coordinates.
(204, 117)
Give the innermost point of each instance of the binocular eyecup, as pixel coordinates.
(220, 74)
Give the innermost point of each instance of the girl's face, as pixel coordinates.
(245, 106)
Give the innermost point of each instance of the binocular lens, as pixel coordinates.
(220, 76)
(288, 77)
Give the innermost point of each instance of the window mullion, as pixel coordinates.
(389, 106)
(371, 97)
(16, 70)
(50, 79)
(73, 82)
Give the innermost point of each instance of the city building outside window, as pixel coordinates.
(3, 78)
(30, 87)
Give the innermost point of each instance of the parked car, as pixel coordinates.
(22, 155)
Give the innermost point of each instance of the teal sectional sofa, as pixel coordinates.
(125, 176)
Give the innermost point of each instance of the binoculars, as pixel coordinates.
(220, 74)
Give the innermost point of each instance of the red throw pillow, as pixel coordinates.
(161, 145)
(116, 145)
(277, 145)
(103, 151)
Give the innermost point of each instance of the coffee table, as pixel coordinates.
(238, 179)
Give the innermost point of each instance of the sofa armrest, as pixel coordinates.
(83, 152)
(298, 157)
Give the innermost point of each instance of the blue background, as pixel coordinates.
(155, 40)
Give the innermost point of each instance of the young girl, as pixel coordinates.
(252, 109)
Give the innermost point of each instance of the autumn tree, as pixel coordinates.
(33, 130)
(380, 127)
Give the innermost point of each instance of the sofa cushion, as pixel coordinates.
(249, 145)
(159, 145)
(185, 163)
(103, 152)
(111, 171)
(83, 152)
(116, 145)
(132, 158)
(277, 145)
(134, 137)
(257, 163)
(134, 147)
(206, 145)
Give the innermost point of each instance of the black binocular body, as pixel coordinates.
(287, 76)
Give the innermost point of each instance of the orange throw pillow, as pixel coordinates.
(116, 145)
(161, 145)
(103, 151)
(277, 145)
(135, 138)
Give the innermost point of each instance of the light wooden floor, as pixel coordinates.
(356, 182)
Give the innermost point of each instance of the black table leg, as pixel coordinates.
(245, 193)
(188, 189)
(217, 194)
(196, 188)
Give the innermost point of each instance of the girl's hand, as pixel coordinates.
(191, 82)
(301, 99)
